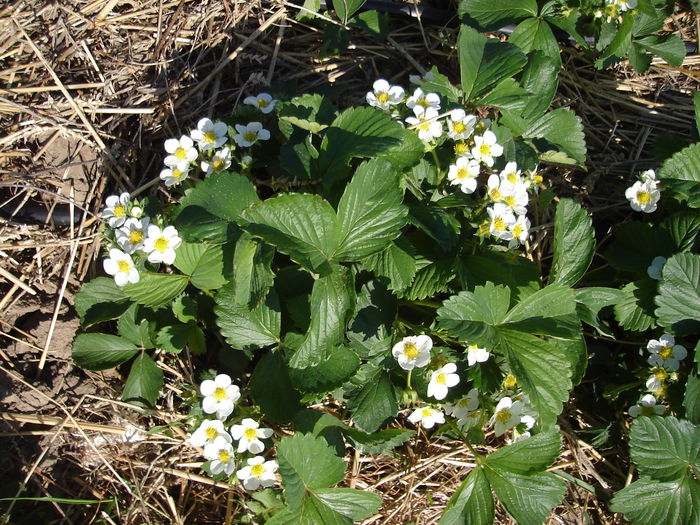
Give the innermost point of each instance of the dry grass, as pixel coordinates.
(88, 91)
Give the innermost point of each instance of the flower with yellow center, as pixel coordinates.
(461, 149)
(161, 245)
(657, 379)
(263, 101)
(207, 432)
(384, 96)
(426, 122)
(463, 173)
(464, 408)
(427, 417)
(248, 434)
(420, 99)
(258, 473)
(116, 209)
(413, 351)
(460, 126)
(220, 453)
(643, 195)
(210, 135)
(510, 382)
(476, 355)
(121, 267)
(249, 134)
(646, 406)
(666, 353)
(511, 174)
(175, 175)
(486, 148)
(502, 219)
(181, 153)
(442, 380)
(521, 229)
(220, 396)
(506, 415)
(220, 161)
(130, 237)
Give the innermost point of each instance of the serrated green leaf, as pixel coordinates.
(548, 311)
(664, 448)
(517, 273)
(678, 300)
(252, 273)
(346, 8)
(591, 300)
(574, 243)
(528, 456)
(311, 112)
(354, 504)
(441, 85)
(307, 463)
(396, 263)
(534, 34)
(195, 224)
(135, 328)
(683, 228)
(272, 389)
(540, 77)
(246, 328)
(100, 300)
(682, 174)
(487, 16)
(173, 338)
(438, 224)
(691, 399)
(669, 47)
(371, 397)
(649, 502)
(370, 331)
(635, 245)
(561, 128)
(223, 195)
(102, 351)
(144, 382)
(373, 22)
(529, 499)
(370, 212)
(636, 310)
(204, 263)
(472, 503)
(156, 289)
(621, 42)
(485, 62)
(431, 279)
(509, 94)
(303, 226)
(185, 309)
(377, 443)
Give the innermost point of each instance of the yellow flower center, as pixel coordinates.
(263, 103)
(425, 126)
(124, 266)
(220, 393)
(218, 164)
(503, 415)
(517, 230)
(251, 136)
(462, 173)
(211, 433)
(383, 98)
(510, 381)
(499, 224)
(510, 200)
(643, 197)
(119, 211)
(660, 373)
(257, 470)
(459, 127)
(210, 137)
(537, 179)
(224, 456)
(461, 148)
(423, 102)
(495, 194)
(410, 350)
(441, 379)
(427, 412)
(161, 244)
(661, 392)
(512, 178)
(485, 149)
(180, 153)
(135, 236)
(178, 174)
(250, 433)
(666, 353)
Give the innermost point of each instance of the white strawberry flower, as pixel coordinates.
(463, 173)
(121, 267)
(384, 95)
(181, 152)
(656, 382)
(534, 179)
(442, 380)
(132, 235)
(172, 176)
(220, 161)
(622, 5)
(656, 267)
(515, 196)
(462, 408)
(160, 245)
(248, 434)
(220, 395)
(460, 125)
(413, 351)
(116, 209)
(263, 101)
(643, 196)
(646, 406)
(507, 415)
(511, 174)
(477, 355)
(220, 452)
(425, 120)
(423, 100)
(648, 176)
(427, 417)
(520, 230)
(666, 353)
(486, 148)
(207, 433)
(526, 422)
(210, 135)
(461, 149)
(419, 80)
(250, 134)
(502, 219)
(258, 473)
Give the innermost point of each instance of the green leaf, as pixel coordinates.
(529, 499)
(636, 310)
(135, 328)
(370, 212)
(223, 195)
(682, 174)
(311, 112)
(540, 77)
(354, 504)
(396, 263)
(246, 328)
(102, 351)
(485, 62)
(664, 448)
(678, 300)
(272, 390)
(371, 397)
(636, 244)
(683, 227)
(377, 443)
(144, 382)
(252, 273)
(691, 400)
(303, 226)
(549, 311)
(528, 456)
(574, 243)
(307, 463)
(437, 223)
(487, 16)
(696, 106)
(100, 300)
(441, 85)
(472, 503)
(621, 42)
(195, 224)
(559, 130)
(373, 22)
(517, 273)
(669, 47)
(430, 279)
(370, 330)
(509, 94)
(173, 338)
(543, 369)
(156, 289)
(649, 502)
(534, 34)
(204, 263)
(591, 300)
(346, 8)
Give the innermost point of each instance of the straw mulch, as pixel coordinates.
(89, 89)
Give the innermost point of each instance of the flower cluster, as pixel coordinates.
(644, 194)
(220, 398)
(208, 148)
(615, 8)
(133, 238)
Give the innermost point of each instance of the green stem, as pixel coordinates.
(437, 166)
(408, 380)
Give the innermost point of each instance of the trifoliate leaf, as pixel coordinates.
(156, 289)
(650, 502)
(100, 300)
(204, 263)
(102, 351)
(678, 300)
(144, 382)
(245, 328)
(574, 243)
(472, 503)
(528, 456)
